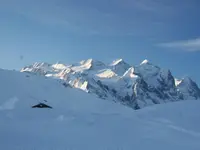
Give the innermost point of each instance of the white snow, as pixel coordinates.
(177, 82)
(144, 62)
(119, 66)
(119, 79)
(59, 66)
(106, 73)
(117, 61)
(147, 70)
(79, 121)
(9, 104)
(130, 73)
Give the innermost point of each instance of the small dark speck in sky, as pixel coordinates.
(21, 57)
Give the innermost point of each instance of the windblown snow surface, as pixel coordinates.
(80, 121)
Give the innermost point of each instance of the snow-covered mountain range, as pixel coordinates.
(81, 121)
(135, 86)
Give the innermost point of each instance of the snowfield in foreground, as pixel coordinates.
(79, 121)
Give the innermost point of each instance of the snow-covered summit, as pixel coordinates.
(130, 73)
(189, 88)
(119, 66)
(117, 61)
(91, 63)
(147, 69)
(136, 86)
(144, 62)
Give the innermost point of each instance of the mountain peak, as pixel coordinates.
(189, 88)
(186, 80)
(88, 61)
(91, 63)
(130, 73)
(119, 66)
(144, 62)
(117, 61)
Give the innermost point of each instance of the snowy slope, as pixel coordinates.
(189, 88)
(80, 121)
(135, 86)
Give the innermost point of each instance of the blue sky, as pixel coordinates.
(166, 32)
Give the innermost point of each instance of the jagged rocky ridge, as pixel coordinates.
(134, 86)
